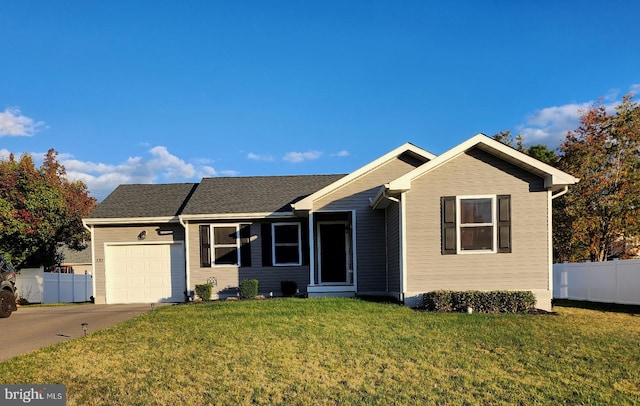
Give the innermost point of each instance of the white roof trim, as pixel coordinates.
(553, 178)
(307, 202)
(129, 220)
(239, 216)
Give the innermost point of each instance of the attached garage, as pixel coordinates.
(144, 273)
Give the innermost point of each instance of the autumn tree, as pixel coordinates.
(40, 209)
(598, 217)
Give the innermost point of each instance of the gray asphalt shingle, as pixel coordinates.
(254, 194)
(223, 195)
(158, 200)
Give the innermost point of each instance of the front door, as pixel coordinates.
(333, 252)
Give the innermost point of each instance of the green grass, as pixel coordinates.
(329, 351)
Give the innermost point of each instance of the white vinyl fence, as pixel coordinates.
(38, 286)
(607, 282)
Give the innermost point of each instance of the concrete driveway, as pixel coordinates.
(31, 328)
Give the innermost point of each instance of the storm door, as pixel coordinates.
(333, 252)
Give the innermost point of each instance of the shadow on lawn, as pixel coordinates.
(605, 307)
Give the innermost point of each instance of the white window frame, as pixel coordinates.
(493, 224)
(274, 244)
(214, 245)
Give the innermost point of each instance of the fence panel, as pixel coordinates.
(67, 288)
(607, 282)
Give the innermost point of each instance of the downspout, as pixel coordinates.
(93, 258)
(560, 193)
(552, 196)
(187, 279)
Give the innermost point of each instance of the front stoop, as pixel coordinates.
(331, 291)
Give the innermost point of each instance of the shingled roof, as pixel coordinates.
(159, 200)
(253, 194)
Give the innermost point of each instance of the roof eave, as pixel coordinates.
(129, 220)
(236, 216)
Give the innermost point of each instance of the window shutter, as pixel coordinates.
(504, 223)
(265, 235)
(305, 242)
(245, 245)
(448, 223)
(205, 246)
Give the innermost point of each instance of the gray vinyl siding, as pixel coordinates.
(228, 277)
(370, 224)
(393, 248)
(477, 173)
(126, 234)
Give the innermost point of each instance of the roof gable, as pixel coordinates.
(554, 179)
(417, 152)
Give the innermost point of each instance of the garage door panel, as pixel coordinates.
(145, 273)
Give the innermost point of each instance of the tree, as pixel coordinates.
(40, 209)
(598, 217)
(516, 142)
(538, 151)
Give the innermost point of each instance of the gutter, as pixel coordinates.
(564, 190)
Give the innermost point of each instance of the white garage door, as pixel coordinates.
(145, 273)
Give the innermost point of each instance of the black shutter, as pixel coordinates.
(205, 246)
(504, 223)
(305, 242)
(448, 223)
(245, 245)
(265, 235)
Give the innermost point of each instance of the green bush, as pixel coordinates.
(496, 301)
(204, 291)
(288, 288)
(248, 288)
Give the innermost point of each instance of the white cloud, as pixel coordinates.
(159, 167)
(297, 157)
(550, 125)
(342, 153)
(4, 154)
(257, 157)
(13, 123)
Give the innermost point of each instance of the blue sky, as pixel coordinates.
(168, 91)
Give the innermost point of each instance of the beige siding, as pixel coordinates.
(228, 277)
(477, 173)
(393, 248)
(127, 234)
(370, 224)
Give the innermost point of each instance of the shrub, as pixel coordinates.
(288, 288)
(248, 288)
(204, 291)
(496, 301)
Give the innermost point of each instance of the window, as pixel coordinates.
(225, 244)
(475, 224)
(286, 247)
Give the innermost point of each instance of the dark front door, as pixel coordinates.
(333, 252)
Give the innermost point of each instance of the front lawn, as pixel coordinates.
(328, 351)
